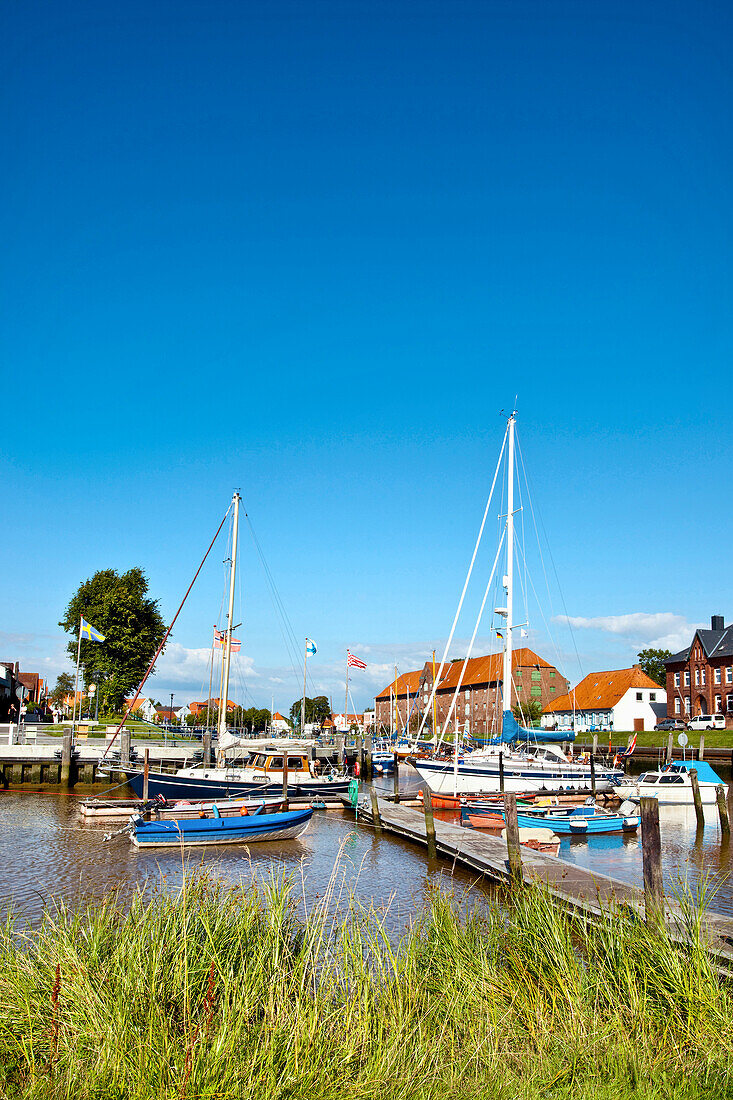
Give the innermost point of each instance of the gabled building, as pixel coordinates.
(623, 699)
(198, 709)
(479, 704)
(342, 723)
(700, 677)
(279, 723)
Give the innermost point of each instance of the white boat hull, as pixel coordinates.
(441, 779)
(672, 795)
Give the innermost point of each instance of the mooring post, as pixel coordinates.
(125, 742)
(722, 810)
(512, 838)
(594, 750)
(65, 779)
(651, 853)
(340, 749)
(729, 801)
(427, 802)
(375, 811)
(146, 773)
(701, 750)
(285, 779)
(360, 754)
(367, 771)
(206, 746)
(396, 778)
(593, 774)
(501, 772)
(670, 743)
(697, 799)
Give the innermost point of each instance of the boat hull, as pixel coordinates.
(196, 789)
(441, 779)
(221, 830)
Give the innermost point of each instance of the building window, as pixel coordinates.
(652, 696)
(718, 704)
(687, 704)
(702, 676)
(677, 707)
(717, 675)
(676, 679)
(552, 675)
(639, 696)
(697, 677)
(729, 675)
(687, 677)
(730, 704)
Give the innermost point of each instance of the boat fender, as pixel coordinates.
(202, 813)
(243, 811)
(216, 811)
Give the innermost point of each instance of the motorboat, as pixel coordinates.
(262, 774)
(672, 785)
(579, 821)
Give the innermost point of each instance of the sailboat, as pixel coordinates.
(264, 773)
(517, 761)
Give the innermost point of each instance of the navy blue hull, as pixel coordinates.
(181, 786)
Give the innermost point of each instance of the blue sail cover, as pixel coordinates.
(512, 731)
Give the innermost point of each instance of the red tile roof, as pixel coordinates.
(489, 669)
(408, 681)
(602, 690)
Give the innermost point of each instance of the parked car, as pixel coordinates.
(707, 722)
(670, 724)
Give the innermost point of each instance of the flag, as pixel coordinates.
(89, 632)
(354, 662)
(631, 747)
(524, 634)
(499, 634)
(220, 640)
(310, 647)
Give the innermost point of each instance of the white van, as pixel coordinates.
(707, 722)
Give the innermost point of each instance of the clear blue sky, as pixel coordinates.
(312, 250)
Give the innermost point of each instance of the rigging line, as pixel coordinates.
(465, 584)
(475, 632)
(552, 560)
(548, 628)
(165, 636)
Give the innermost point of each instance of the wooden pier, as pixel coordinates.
(574, 887)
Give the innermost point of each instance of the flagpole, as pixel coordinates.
(346, 700)
(230, 623)
(435, 727)
(302, 701)
(76, 685)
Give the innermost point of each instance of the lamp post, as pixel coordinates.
(171, 718)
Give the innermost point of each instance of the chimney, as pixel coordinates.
(717, 622)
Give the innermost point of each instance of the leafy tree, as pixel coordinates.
(652, 662)
(316, 710)
(119, 607)
(529, 711)
(64, 686)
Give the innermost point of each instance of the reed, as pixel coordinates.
(218, 992)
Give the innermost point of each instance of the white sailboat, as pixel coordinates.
(517, 760)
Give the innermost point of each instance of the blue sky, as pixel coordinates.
(311, 251)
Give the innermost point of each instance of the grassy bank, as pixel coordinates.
(220, 993)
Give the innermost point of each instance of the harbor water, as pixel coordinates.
(48, 853)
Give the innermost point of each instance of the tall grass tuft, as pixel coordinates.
(219, 992)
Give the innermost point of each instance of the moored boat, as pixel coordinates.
(672, 784)
(218, 830)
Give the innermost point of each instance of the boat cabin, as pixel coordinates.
(266, 762)
(678, 773)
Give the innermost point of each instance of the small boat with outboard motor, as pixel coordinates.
(671, 785)
(587, 820)
(215, 829)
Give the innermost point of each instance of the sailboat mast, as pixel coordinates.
(230, 621)
(302, 701)
(509, 578)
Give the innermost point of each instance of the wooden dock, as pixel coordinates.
(574, 887)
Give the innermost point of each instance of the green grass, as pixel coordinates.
(221, 993)
(714, 739)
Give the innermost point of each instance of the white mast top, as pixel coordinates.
(509, 578)
(230, 621)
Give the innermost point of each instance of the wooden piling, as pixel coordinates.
(125, 743)
(651, 851)
(729, 800)
(285, 779)
(501, 772)
(146, 773)
(594, 750)
(593, 774)
(206, 746)
(512, 838)
(360, 752)
(697, 798)
(701, 749)
(396, 778)
(670, 744)
(65, 777)
(722, 810)
(427, 802)
(375, 810)
(340, 749)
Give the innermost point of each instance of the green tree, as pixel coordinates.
(652, 662)
(64, 686)
(118, 605)
(530, 711)
(316, 710)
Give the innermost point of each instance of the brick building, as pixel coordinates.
(480, 698)
(700, 678)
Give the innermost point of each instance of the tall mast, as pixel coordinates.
(302, 701)
(509, 578)
(230, 621)
(346, 699)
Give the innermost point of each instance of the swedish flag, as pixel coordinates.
(89, 632)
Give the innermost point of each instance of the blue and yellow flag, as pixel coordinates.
(89, 632)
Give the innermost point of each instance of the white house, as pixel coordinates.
(624, 699)
(343, 722)
(279, 723)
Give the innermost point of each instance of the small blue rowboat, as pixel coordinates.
(581, 821)
(216, 829)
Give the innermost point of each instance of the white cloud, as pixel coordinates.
(655, 630)
(190, 667)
